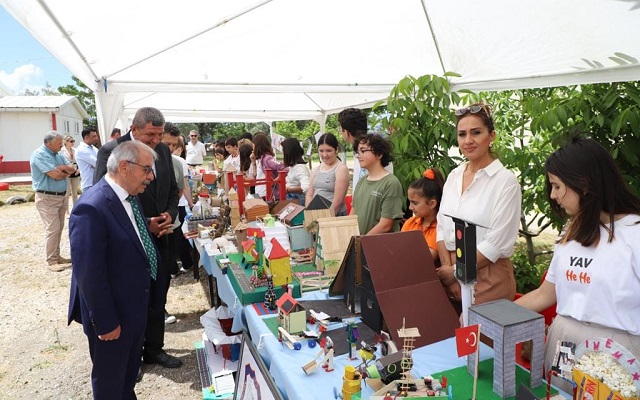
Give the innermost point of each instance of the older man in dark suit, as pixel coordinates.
(114, 263)
(160, 204)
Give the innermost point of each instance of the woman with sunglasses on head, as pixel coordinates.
(594, 275)
(73, 182)
(331, 178)
(484, 192)
(377, 199)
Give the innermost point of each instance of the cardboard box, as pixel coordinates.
(590, 388)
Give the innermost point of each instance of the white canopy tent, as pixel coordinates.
(203, 60)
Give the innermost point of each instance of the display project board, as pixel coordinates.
(253, 380)
(405, 284)
(246, 292)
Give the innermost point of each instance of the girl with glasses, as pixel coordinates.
(481, 191)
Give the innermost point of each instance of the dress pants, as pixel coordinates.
(154, 335)
(115, 365)
(52, 210)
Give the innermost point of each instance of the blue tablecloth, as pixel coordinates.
(285, 364)
(225, 289)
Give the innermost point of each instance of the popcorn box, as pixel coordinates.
(590, 388)
(587, 386)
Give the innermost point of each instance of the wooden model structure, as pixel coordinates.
(318, 207)
(279, 263)
(255, 208)
(241, 184)
(409, 387)
(332, 239)
(327, 359)
(291, 315)
(234, 204)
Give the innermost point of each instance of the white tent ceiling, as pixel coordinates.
(205, 60)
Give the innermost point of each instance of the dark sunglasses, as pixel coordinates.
(474, 110)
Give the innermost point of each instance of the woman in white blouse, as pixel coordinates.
(484, 192)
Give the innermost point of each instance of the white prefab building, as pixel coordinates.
(24, 120)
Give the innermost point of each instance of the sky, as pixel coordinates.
(24, 63)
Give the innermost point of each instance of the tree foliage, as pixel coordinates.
(422, 125)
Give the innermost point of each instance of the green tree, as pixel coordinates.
(85, 96)
(418, 113)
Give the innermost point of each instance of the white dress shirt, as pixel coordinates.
(122, 196)
(86, 157)
(492, 200)
(195, 153)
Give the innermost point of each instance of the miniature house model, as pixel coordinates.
(332, 239)
(279, 263)
(291, 315)
(252, 247)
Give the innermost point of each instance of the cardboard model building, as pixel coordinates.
(291, 314)
(318, 207)
(392, 276)
(279, 263)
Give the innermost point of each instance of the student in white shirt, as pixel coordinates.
(231, 146)
(594, 275)
(484, 192)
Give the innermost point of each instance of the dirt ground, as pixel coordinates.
(43, 358)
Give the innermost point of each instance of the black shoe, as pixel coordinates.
(139, 377)
(163, 359)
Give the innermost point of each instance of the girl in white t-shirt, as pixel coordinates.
(594, 275)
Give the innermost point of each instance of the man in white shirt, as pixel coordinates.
(195, 150)
(86, 157)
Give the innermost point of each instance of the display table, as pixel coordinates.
(220, 285)
(285, 365)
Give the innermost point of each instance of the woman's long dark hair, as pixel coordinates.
(245, 151)
(588, 169)
(293, 152)
(261, 145)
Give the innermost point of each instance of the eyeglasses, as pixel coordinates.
(361, 152)
(72, 141)
(193, 135)
(474, 110)
(147, 169)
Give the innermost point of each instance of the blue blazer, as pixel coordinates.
(111, 279)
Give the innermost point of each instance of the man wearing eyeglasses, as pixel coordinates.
(196, 152)
(160, 206)
(87, 156)
(114, 265)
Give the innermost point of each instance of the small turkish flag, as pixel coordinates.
(467, 339)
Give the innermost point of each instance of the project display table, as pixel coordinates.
(219, 285)
(285, 364)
